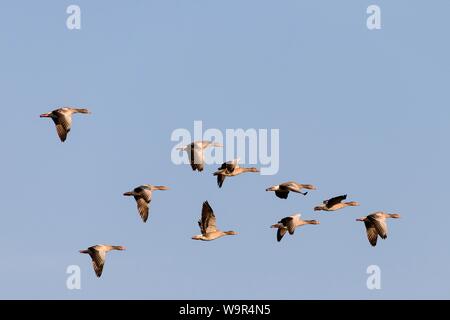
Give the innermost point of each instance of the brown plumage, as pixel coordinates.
(282, 190)
(289, 224)
(231, 169)
(98, 256)
(376, 225)
(62, 118)
(335, 203)
(143, 197)
(208, 227)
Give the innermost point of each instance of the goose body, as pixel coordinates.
(282, 190)
(231, 169)
(195, 152)
(289, 224)
(335, 203)
(143, 196)
(62, 118)
(376, 225)
(208, 228)
(98, 256)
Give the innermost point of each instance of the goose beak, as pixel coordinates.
(44, 115)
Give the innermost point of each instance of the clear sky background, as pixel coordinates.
(360, 112)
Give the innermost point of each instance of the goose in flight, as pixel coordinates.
(208, 226)
(335, 203)
(289, 224)
(195, 153)
(376, 225)
(62, 118)
(143, 197)
(98, 256)
(282, 190)
(231, 169)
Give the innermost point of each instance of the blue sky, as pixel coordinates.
(359, 112)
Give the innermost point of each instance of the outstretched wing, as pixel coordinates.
(142, 207)
(334, 201)
(143, 199)
(230, 166)
(196, 157)
(63, 124)
(98, 260)
(208, 220)
(220, 179)
(372, 233)
(280, 233)
(282, 194)
(292, 222)
(380, 225)
(288, 222)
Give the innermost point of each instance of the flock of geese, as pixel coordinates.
(375, 223)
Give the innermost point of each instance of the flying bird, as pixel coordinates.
(195, 151)
(143, 197)
(282, 190)
(376, 225)
(231, 169)
(208, 228)
(98, 256)
(335, 203)
(62, 118)
(289, 224)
